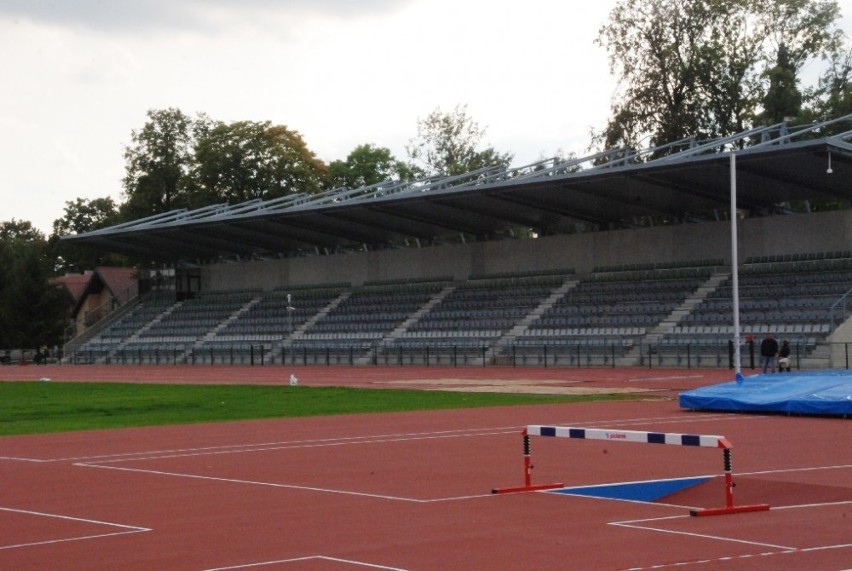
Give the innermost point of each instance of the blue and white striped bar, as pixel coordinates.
(612, 435)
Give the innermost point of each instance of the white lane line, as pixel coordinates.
(633, 525)
(126, 529)
(253, 483)
(778, 549)
(383, 437)
(309, 558)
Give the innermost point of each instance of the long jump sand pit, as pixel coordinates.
(517, 386)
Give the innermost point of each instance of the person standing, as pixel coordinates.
(768, 353)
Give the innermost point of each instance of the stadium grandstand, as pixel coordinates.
(620, 258)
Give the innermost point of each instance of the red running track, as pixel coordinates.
(412, 491)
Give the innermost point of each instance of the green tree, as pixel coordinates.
(666, 54)
(19, 230)
(158, 163)
(447, 144)
(730, 63)
(797, 31)
(833, 96)
(367, 165)
(80, 216)
(803, 29)
(783, 98)
(696, 68)
(244, 160)
(32, 311)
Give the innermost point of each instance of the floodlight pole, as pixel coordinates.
(735, 268)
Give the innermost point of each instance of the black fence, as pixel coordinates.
(599, 354)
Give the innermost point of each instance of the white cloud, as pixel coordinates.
(156, 16)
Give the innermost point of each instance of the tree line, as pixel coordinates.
(686, 69)
(176, 161)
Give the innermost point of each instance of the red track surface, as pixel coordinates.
(525, 379)
(412, 491)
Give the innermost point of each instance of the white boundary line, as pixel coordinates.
(632, 524)
(729, 558)
(128, 529)
(393, 437)
(284, 486)
(786, 470)
(280, 445)
(308, 558)
(776, 549)
(260, 446)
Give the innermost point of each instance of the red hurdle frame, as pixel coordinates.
(729, 507)
(634, 436)
(528, 486)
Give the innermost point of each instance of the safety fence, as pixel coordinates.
(613, 354)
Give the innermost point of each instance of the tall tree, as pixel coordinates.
(80, 216)
(803, 29)
(664, 54)
(367, 165)
(158, 163)
(833, 95)
(797, 31)
(32, 311)
(696, 68)
(731, 61)
(244, 160)
(19, 230)
(783, 98)
(448, 143)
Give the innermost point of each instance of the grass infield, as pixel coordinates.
(42, 407)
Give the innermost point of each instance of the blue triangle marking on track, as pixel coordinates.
(637, 491)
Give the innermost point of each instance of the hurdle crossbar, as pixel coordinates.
(615, 435)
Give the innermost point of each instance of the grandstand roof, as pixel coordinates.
(685, 180)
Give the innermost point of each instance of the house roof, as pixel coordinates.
(74, 284)
(120, 282)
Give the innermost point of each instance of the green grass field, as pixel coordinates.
(41, 407)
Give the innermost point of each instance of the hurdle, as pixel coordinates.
(614, 435)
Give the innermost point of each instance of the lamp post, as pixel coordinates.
(290, 309)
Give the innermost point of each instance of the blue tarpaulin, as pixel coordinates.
(650, 491)
(826, 393)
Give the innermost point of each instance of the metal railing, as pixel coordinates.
(840, 309)
(685, 355)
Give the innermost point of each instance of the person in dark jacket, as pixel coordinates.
(768, 353)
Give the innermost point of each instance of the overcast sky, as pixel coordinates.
(80, 75)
